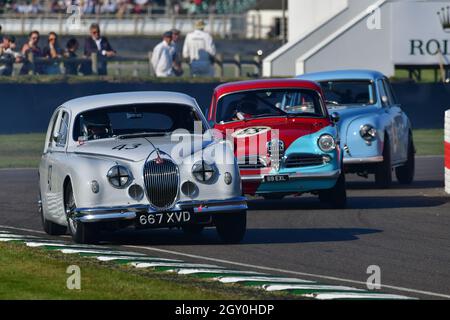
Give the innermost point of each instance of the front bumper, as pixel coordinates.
(367, 160)
(128, 213)
(296, 176)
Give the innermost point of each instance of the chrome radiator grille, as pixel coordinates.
(161, 180)
(303, 160)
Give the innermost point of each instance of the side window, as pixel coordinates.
(53, 128)
(63, 130)
(383, 94)
(391, 92)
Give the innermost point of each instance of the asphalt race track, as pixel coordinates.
(405, 231)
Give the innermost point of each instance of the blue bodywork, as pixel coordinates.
(313, 178)
(383, 113)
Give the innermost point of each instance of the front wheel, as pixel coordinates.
(383, 171)
(50, 227)
(231, 227)
(337, 196)
(83, 233)
(405, 173)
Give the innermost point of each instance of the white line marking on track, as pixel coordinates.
(100, 252)
(261, 279)
(318, 287)
(312, 275)
(305, 274)
(134, 259)
(143, 265)
(357, 296)
(189, 271)
(36, 244)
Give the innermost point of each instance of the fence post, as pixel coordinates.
(258, 65)
(151, 72)
(447, 151)
(219, 62)
(237, 66)
(94, 60)
(30, 57)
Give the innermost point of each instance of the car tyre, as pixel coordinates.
(336, 197)
(231, 227)
(383, 171)
(405, 173)
(51, 228)
(82, 233)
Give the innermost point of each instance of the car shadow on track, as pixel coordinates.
(370, 185)
(354, 202)
(253, 236)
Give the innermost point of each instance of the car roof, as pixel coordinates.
(116, 99)
(342, 74)
(264, 84)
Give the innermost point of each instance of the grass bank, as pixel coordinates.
(35, 274)
(24, 150)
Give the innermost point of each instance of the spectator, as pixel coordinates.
(162, 58)
(71, 53)
(52, 51)
(176, 53)
(99, 45)
(200, 50)
(8, 56)
(31, 47)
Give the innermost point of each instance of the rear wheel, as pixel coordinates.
(50, 227)
(231, 227)
(405, 173)
(337, 196)
(84, 233)
(383, 171)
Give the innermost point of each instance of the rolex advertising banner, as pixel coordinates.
(421, 32)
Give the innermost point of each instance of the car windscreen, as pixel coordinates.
(269, 103)
(157, 118)
(349, 92)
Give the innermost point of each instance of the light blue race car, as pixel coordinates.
(375, 133)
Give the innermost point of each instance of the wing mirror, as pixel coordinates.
(335, 117)
(385, 100)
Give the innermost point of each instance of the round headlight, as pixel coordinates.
(326, 143)
(203, 171)
(119, 177)
(368, 132)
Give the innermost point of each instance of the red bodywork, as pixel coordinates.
(290, 129)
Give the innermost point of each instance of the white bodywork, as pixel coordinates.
(82, 163)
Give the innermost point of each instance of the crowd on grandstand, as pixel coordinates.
(198, 50)
(121, 7)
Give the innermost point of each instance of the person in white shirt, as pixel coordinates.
(162, 57)
(200, 50)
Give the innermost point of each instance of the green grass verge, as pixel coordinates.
(429, 142)
(24, 150)
(35, 274)
(21, 150)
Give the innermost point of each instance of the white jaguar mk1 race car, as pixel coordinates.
(143, 159)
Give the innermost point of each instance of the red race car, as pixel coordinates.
(284, 139)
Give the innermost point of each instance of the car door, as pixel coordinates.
(392, 120)
(402, 123)
(55, 164)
